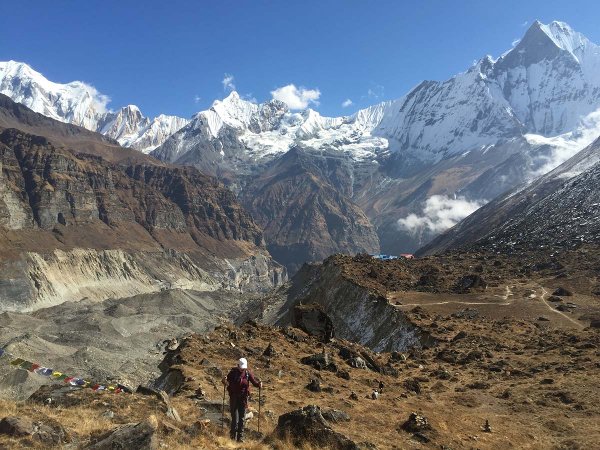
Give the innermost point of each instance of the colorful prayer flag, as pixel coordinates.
(26, 365)
(17, 362)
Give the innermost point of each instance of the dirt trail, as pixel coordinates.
(504, 297)
(570, 319)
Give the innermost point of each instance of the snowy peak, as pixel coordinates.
(566, 38)
(239, 114)
(75, 102)
(81, 104)
(546, 42)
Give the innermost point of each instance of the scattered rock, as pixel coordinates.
(343, 374)
(270, 351)
(171, 381)
(48, 432)
(353, 396)
(562, 292)
(358, 363)
(307, 425)
(294, 334)
(397, 357)
(412, 385)
(467, 313)
(554, 298)
(416, 423)
(468, 283)
(563, 308)
(108, 414)
(335, 415)
(442, 374)
(478, 385)
(320, 361)
(459, 335)
(314, 385)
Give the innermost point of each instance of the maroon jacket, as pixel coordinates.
(238, 384)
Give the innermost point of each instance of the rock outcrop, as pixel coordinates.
(307, 425)
(357, 311)
(135, 435)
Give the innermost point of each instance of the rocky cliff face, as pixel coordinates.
(358, 312)
(318, 220)
(75, 225)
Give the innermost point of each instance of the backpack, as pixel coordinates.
(240, 382)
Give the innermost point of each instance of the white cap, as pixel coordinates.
(242, 363)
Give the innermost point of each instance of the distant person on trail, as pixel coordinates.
(238, 385)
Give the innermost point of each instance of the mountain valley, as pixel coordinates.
(141, 257)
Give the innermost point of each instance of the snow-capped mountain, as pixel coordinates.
(235, 130)
(503, 122)
(461, 142)
(81, 104)
(544, 86)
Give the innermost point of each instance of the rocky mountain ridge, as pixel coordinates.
(558, 211)
(81, 223)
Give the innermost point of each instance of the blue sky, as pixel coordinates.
(173, 56)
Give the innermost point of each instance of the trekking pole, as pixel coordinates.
(223, 411)
(259, 402)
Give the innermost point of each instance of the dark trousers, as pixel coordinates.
(238, 411)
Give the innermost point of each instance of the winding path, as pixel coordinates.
(554, 310)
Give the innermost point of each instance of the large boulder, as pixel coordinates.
(313, 320)
(308, 426)
(469, 283)
(47, 431)
(562, 292)
(320, 361)
(139, 436)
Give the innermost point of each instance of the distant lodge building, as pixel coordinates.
(390, 257)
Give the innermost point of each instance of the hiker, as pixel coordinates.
(238, 385)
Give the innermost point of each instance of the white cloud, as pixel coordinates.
(228, 82)
(197, 99)
(100, 101)
(440, 213)
(296, 98)
(564, 146)
(375, 92)
(524, 24)
(347, 103)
